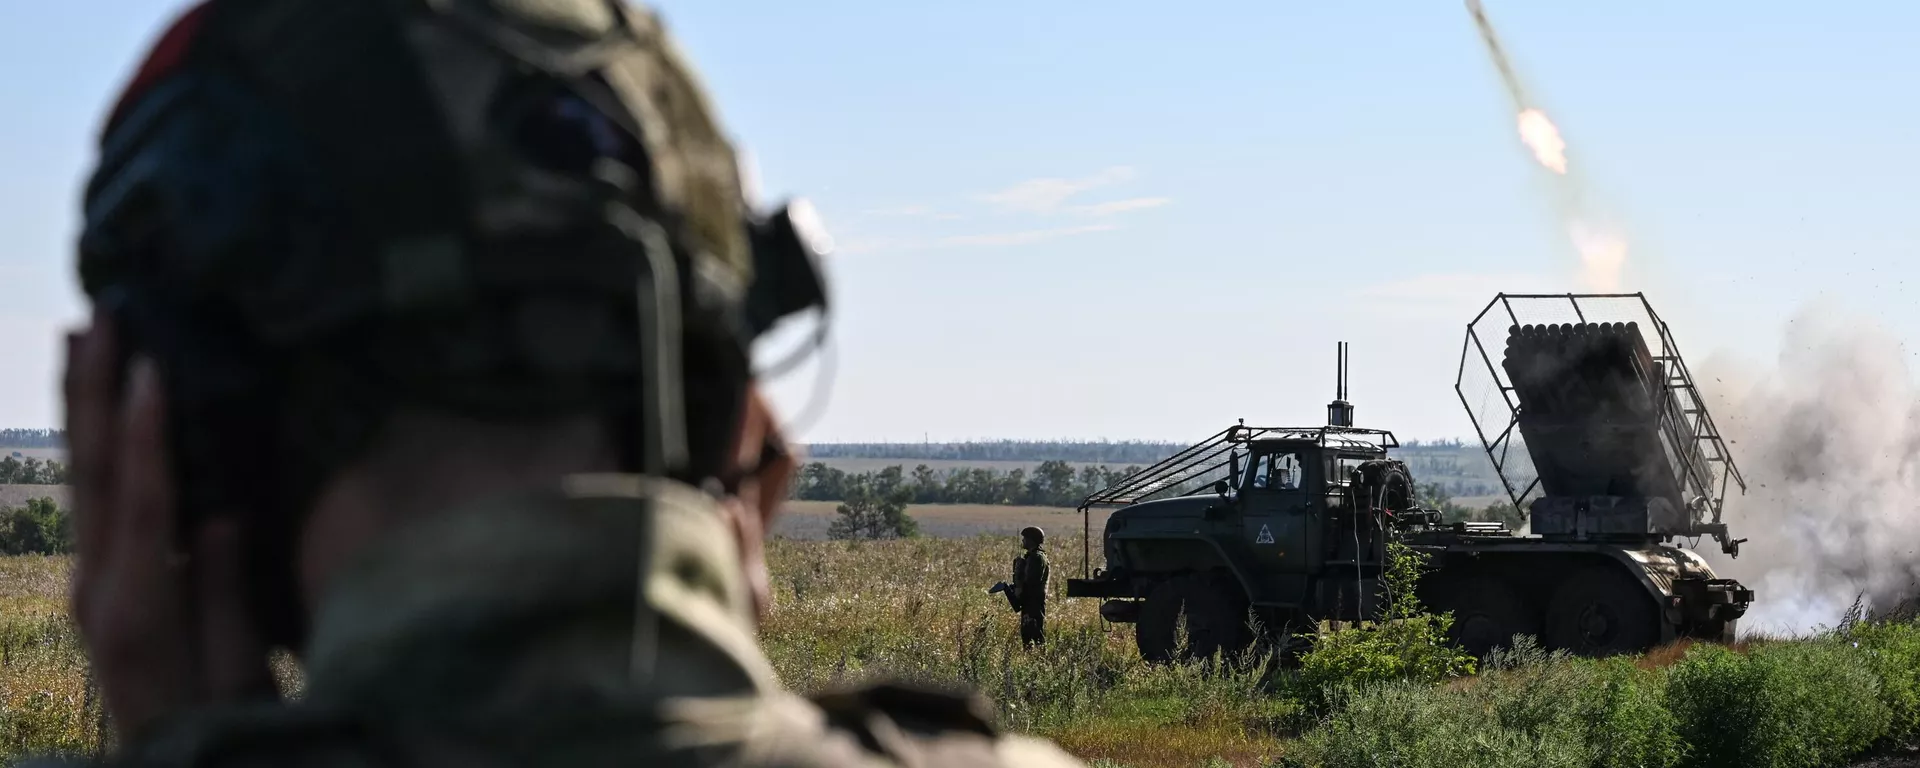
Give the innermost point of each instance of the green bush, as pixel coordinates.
(39, 528)
(1893, 650)
(1628, 721)
(1782, 705)
(1608, 712)
(1413, 725)
(1410, 645)
(1527, 708)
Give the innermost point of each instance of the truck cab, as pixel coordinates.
(1287, 525)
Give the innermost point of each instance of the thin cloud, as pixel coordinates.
(911, 212)
(900, 210)
(1046, 195)
(989, 239)
(1023, 237)
(1113, 207)
(1043, 197)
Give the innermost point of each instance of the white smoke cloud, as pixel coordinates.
(1603, 255)
(1829, 441)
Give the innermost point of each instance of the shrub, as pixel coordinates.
(1781, 705)
(1412, 725)
(1527, 708)
(1410, 645)
(39, 528)
(1893, 650)
(1628, 722)
(1609, 712)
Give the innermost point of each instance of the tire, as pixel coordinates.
(1153, 630)
(1486, 614)
(1722, 632)
(1216, 612)
(1602, 611)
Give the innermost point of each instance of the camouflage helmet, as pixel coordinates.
(311, 211)
(1033, 536)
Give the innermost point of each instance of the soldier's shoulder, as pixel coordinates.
(917, 725)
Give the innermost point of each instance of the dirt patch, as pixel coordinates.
(12, 496)
(811, 519)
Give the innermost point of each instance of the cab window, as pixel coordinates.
(1278, 472)
(1342, 471)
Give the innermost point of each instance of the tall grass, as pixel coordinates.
(48, 704)
(918, 610)
(850, 612)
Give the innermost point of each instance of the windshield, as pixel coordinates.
(1277, 472)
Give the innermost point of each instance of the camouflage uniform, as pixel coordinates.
(1030, 588)
(514, 632)
(607, 619)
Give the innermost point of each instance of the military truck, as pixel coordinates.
(1594, 426)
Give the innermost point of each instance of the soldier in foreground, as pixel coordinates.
(420, 348)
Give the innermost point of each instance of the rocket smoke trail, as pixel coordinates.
(1602, 249)
(1499, 54)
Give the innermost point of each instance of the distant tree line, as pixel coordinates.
(1078, 452)
(1073, 451)
(39, 528)
(874, 503)
(1054, 484)
(32, 471)
(33, 438)
(1449, 443)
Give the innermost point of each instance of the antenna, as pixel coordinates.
(1340, 412)
(1340, 390)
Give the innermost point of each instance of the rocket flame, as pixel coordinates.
(1544, 139)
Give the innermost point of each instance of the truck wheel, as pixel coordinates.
(1215, 611)
(1153, 631)
(1722, 632)
(1486, 615)
(1600, 611)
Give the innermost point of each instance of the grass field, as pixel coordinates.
(917, 609)
(808, 520)
(843, 613)
(857, 465)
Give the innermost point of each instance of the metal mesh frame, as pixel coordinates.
(1692, 443)
(1196, 468)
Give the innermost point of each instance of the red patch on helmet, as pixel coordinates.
(166, 56)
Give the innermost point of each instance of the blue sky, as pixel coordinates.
(1116, 219)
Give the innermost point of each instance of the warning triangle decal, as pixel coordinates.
(1265, 537)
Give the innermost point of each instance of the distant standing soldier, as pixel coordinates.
(1030, 586)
